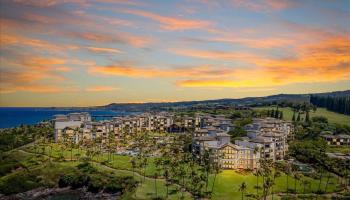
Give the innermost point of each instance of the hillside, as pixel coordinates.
(224, 102)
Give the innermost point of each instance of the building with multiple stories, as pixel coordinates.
(266, 138)
(64, 124)
(270, 135)
(228, 155)
(78, 126)
(337, 140)
(211, 135)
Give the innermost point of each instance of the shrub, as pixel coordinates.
(95, 186)
(80, 181)
(86, 167)
(113, 187)
(19, 183)
(65, 180)
(74, 180)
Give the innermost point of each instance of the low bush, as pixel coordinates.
(19, 183)
(95, 186)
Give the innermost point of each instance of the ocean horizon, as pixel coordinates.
(16, 116)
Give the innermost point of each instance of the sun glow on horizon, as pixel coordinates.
(82, 53)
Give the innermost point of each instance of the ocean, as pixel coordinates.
(12, 117)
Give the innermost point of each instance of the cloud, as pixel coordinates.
(11, 39)
(143, 72)
(214, 54)
(264, 6)
(103, 50)
(29, 81)
(171, 23)
(101, 89)
(33, 73)
(51, 3)
(35, 88)
(326, 61)
(259, 43)
(119, 38)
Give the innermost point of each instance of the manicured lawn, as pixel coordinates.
(332, 116)
(226, 185)
(228, 182)
(338, 149)
(118, 161)
(49, 174)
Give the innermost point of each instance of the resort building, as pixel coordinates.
(337, 140)
(269, 135)
(228, 155)
(73, 121)
(78, 126)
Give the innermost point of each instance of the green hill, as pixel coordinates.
(332, 116)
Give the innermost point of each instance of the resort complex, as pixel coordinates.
(266, 138)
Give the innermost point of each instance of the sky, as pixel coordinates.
(96, 52)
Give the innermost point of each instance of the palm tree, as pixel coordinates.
(268, 183)
(242, 189)
(257, 174)
(287, 171)
(297, 177)
(327, 182)
(319, 184)
(133, 164)
(166, 176)
(305, 183)
(155, 182)
(275, 175)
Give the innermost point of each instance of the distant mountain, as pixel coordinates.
(225, 102)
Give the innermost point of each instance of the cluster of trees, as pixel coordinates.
(309, 147)
(301, 108)
(313, 151)
(87, 176)
(11, 138)
(177, 165)
(336, 104)
(275, 113)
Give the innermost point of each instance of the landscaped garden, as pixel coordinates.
(226, 184)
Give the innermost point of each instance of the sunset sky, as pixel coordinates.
(81, 52)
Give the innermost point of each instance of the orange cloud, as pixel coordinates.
(29, 81)
(139, 72)
(25, 72)
(32, 88)
(101, 89)
(103, 50)
(264, 6)
(326, 61)
(122, 38)
(255, 42)
(10, 39)
(216, 55)
(171, 23)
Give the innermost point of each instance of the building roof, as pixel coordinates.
(222, 134)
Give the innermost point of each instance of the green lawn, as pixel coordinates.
(49, 174)
(228, 182)
(338, 149)
(226, 185)
(118, 162)
(332, 116)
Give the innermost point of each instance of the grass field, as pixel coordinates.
(332, 116)
(226, 184)
(50, 172)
